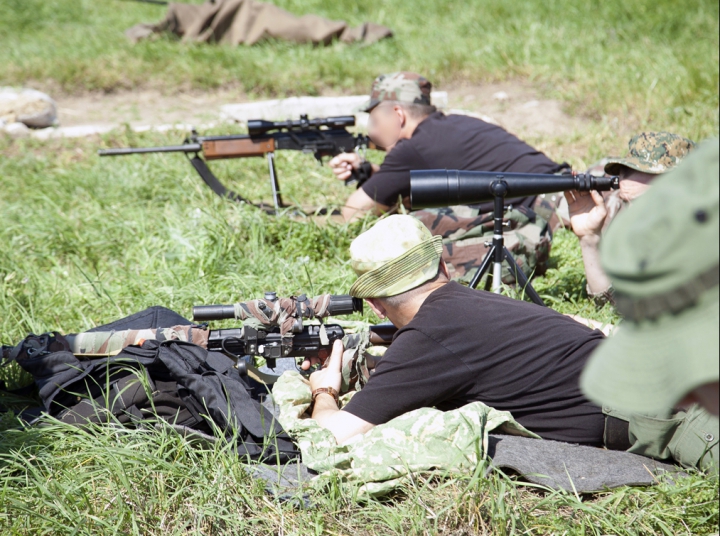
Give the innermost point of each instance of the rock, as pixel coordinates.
(32, 108)
(501, 96)
(16, 129)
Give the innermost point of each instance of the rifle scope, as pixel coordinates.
(340, 304)
(256, 127)
(447, 187)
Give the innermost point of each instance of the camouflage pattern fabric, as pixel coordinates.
(402, 86)
(420, 441)
(398, 253)
(104, 343)
(282, 312)
(465, 232)
(652, 152)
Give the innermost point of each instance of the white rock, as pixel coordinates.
(33, 108)
(16, 129)
(500, 95)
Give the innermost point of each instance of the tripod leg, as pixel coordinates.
(522, 279)
(277, 199)
(482, 270)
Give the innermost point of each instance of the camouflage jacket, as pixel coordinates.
(465, 233)
(384, 458)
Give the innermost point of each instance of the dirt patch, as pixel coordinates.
(515, 106)
(147, 107)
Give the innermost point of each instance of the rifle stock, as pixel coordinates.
(238, 148)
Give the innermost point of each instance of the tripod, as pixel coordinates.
(499, 253)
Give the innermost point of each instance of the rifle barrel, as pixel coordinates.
(185, 148)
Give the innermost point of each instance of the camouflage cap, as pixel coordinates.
(395, 255)
(662, 257)
(652, 152)
(403, 86)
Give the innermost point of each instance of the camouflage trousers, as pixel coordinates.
(467, 234)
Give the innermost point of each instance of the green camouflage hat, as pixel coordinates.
(662, 257)
(407, 87)
(652, 152)
(395, 255)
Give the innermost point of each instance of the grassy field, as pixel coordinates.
(641, 62)
(85, 240)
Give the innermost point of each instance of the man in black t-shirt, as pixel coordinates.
(456, 345)
(417, 136)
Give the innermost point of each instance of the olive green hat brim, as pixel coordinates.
(651, 365)
(613, 165)
(405, 272)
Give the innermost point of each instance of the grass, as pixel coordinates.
(647, 62)
(84, 241)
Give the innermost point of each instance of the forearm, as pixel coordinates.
(597, 281)
(359, 203)
(341, 424)
(325, 407)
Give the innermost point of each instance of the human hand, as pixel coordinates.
(331, 373)
(343, 165)
(587, 212)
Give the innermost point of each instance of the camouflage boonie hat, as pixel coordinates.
(404, 86)
(661, 255)
(395, 255)
(652, 152)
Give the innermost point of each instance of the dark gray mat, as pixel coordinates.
(573, 467)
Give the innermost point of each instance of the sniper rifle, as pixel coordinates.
(273, 328)
(322, 137)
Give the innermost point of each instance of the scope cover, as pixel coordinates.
(285, 313)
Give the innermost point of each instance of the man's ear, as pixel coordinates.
(399, 111)
(377, 307)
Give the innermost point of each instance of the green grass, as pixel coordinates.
(634, 64)
(85, 240)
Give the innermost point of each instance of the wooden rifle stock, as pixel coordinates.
(237, 148)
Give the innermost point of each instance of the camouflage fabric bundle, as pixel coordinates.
(283, 312)
(423, 440)
(465, 231)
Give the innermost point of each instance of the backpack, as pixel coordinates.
(178, 382)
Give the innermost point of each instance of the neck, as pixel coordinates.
(409, 127)
(401, 315)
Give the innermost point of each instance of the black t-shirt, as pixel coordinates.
(453, 142)
(467, 345)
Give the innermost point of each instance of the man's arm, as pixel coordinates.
(360, 203)
(341, 424)
(343, 164)
(587, 217)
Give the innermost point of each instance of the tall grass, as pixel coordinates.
(85, 240)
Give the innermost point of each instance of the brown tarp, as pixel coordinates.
(246, 22)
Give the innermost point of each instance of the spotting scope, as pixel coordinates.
(436, 188)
